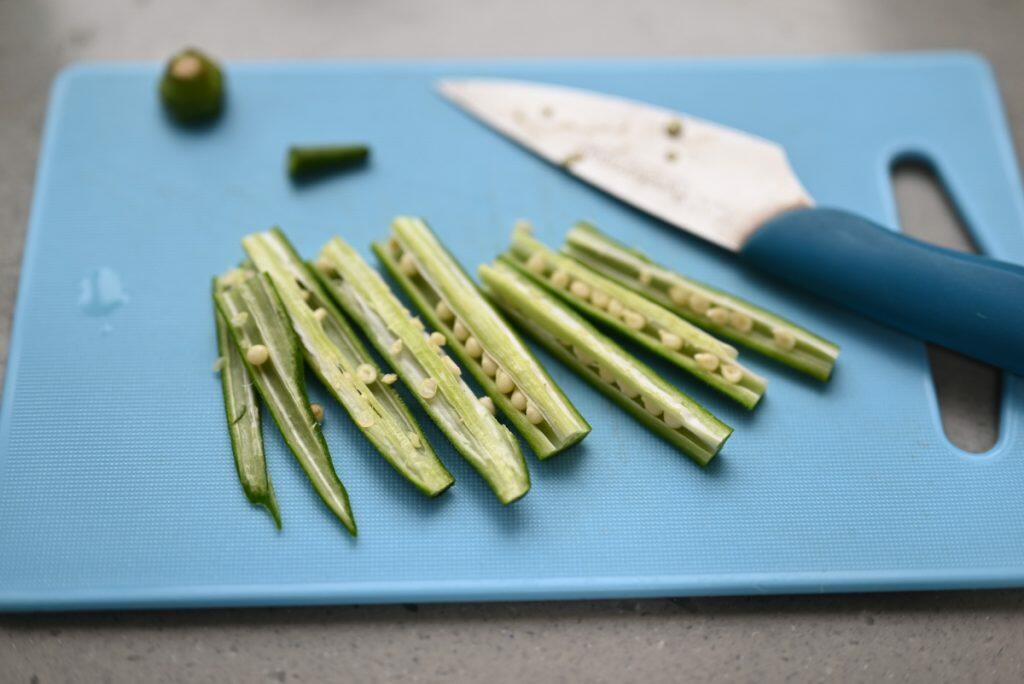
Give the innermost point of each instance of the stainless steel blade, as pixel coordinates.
(713, 181)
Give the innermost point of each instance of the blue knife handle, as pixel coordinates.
(961, 301)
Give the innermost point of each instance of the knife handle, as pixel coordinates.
(965, 302)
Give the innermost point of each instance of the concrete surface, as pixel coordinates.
(958, 636)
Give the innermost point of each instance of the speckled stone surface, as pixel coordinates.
(959, 636)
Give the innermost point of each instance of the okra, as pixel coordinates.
(344, 366)
(480, 338)
(605, 365)
(718, 312)
(431, 375)
(243, 416)
(261, 331)
(640, 319)
(310, 161)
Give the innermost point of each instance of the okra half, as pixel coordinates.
(605, 365)
(480, 338)
(260, 329)
(344, 365)
(718, 312)
(432, 375)
(243, 416)
(640, 319)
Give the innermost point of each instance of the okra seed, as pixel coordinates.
(306, 294)
(414, 437)
(580, 353)
(326, 266)
(634, 320)
(560, 279)
(388, 378)
(678, 295)
(524, 226)
(444, 312)
(490, 368)
(651, 406)
(365, 421)
(730, 351)
(741, 321)
(407, 264)
(533, 415)
(428, 388)
(504, 382)
(473, 348)
(606, 375)
(393, 244)
(537, 263)
(461, 333)
(396, 347)
(318, 412)
(699, 303)
(320, 314)
(615, 307)
(487, 404)
(240, 319)
(366, 373)
(452, 366)
(518, 401)
(599, 299)
(437, 339)
(416, 323)
(673, 419)
(257, 354)
(783, 338)
(218, 365)
(708, 362)
(671, 340)
(629, 389)
(718, 315)
(732, 374)
(644, 276)
(579, 289)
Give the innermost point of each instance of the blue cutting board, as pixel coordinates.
(117, 486)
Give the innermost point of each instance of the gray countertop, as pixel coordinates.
(952, 636)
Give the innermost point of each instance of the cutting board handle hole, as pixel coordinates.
(968, 392)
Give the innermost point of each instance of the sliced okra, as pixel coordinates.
(344, 365)
(271, 354)
(718, 312)
(640, 319)
(451, 303)
(604, 364)
(243, 415)
(425, 368)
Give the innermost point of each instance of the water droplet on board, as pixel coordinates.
(101, 292)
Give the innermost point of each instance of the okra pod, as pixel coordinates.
(480, 338)
(605, 365)
(433, 376)
(344, 365)
(640, 319)
(265, 340)
(243, 416)
(718, 312)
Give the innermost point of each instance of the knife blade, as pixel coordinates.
(740, 192)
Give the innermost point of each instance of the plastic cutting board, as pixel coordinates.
(117, 486)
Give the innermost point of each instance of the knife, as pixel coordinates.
(739, 192)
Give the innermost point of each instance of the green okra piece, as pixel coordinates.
(480, 338)
(265, 340)
(432, 375)
(316, 160)
(655, 327)
(243, 416)
(344, 366)
(717, 312)
(192, 87)
(622, 377)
